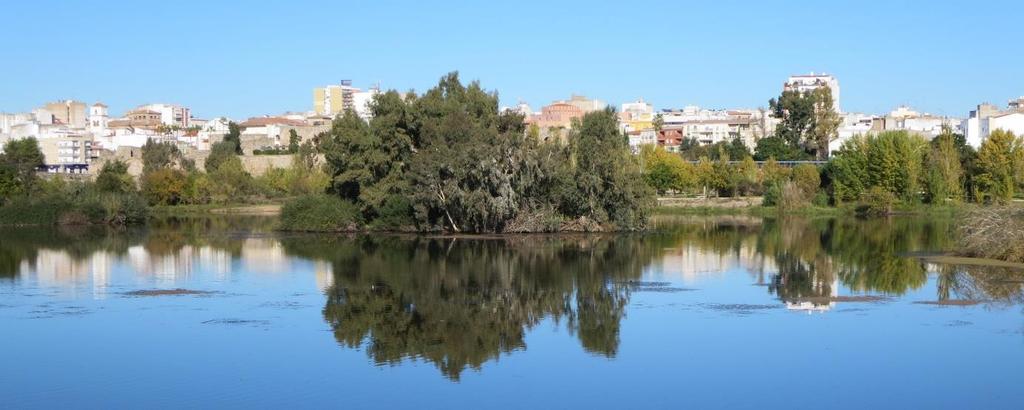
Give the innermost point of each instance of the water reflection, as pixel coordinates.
(459, 303)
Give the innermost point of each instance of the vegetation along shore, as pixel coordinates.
(449, 160)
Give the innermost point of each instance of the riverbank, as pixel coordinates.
(268, 209)
(753, 206)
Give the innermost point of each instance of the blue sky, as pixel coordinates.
(251, 58)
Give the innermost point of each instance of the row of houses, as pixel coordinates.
(73, 135)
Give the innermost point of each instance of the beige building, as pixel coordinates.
(336, 99)
(67, 112)
(67, 154)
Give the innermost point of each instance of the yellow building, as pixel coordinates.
(334, 99)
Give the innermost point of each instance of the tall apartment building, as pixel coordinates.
(170, 114)
(811, 82)
(67, 112)
(332, 100)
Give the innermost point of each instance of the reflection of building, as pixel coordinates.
(816, 306)
(691, 263)
(324, 275)
(62, 269)
(264, 255)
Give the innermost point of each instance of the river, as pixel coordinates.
(703, 312)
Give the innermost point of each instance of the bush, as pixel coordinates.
(114, 178)
(320, 213)
(792, 197)
(164, 186)
(75, 209)
(995, 233)
(33, 211)
(772, 194)
(807, 178)
(394, 215)
(876, 201)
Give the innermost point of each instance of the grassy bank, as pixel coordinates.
(712, 207)
(74, 209)
(269, 209)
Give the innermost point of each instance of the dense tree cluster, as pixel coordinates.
(449, 160)
(808, 123)
(914, 170)
(168, 178)
(28, 199)
(878, 171)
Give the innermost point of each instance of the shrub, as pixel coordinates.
(114, 178)
(876, 201)
(807, 178)
(772, 194)
(395, 214)
(164, 186)
(995, 233)
(320, 213)
(33, 211)
(75, 209)
(792, 197)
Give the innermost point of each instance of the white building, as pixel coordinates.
(811, 82)
(170, 114)
(640, 138)
(98, 119)
(987, 118)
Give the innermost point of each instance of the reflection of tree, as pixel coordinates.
(459, 303)
(991, 284)
(810, 254)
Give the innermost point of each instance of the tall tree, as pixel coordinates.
(998, 163)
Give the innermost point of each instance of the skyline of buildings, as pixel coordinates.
(73, 134)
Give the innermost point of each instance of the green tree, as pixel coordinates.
(665, 171)
(944, 177)
(825, 127)
(848, 170)
(234, 137)
(19, 163)
(779, 149)
(159, 155)
(998, 165)
(164, 186)
(219, 153)
(293, 141)
(808, 179)
(114, 178)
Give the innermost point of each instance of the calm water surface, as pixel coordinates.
(736, 312)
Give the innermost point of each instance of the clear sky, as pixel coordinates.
(251, 58)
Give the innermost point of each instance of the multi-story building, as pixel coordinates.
(636, 116)
(988, 117)
(336, 99)
(170, 114)
(561, 113)
(67, 112)
(557, 115)
(70, 153)
(138, 118)
(713, 126)
(585, 104)
(811, 82)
